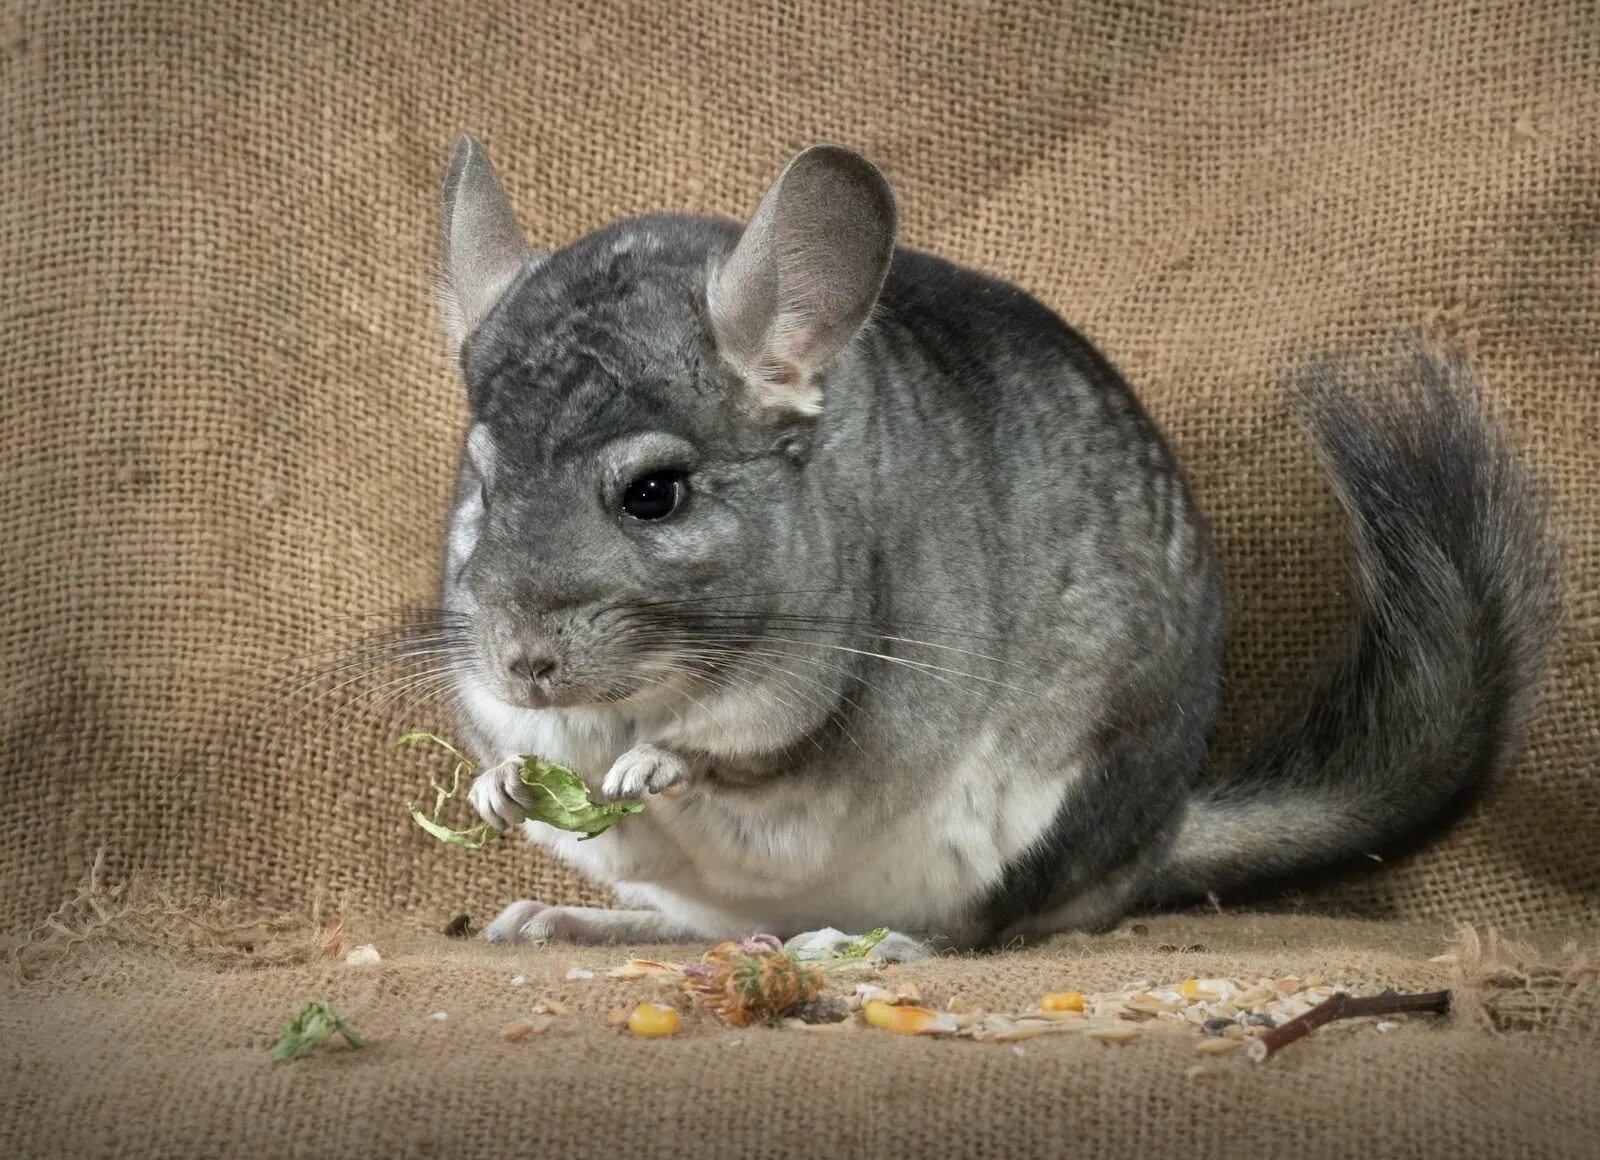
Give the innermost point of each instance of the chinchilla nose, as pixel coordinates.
(532, 664)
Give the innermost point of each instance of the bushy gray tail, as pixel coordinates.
(1455, 577)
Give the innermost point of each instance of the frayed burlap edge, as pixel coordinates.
(1499, 984)
(142, 916)
(1505, 985)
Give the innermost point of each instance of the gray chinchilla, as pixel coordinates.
(880, 585)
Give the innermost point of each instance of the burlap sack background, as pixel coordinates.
(228, 415)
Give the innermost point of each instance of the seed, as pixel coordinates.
(1117, 1033)
(1216, 1046)
(653, 1020)
(522, 1028)
(1062, 1001)
(906, 1020)
(1260, 1019)
(362, 955)
(1216, 1026)
(639, 968)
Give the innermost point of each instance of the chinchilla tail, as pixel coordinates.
(1455, 579)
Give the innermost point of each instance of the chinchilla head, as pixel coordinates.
(644, 405)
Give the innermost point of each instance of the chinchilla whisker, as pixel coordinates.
(725, 682)
(868, 624)
(304, 681)
(355, 680)
(378, 637)
(759, 657)
(383, 695)
(802, 624)
(346, 713)
(931, 670)
(833, 591)
(366, 647)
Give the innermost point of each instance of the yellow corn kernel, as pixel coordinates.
(1191, 989)
(652, 1020)
(1062, 1001)
(902, 1020)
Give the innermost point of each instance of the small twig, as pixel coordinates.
(1344, 1006)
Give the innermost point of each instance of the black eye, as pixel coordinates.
(650, 497)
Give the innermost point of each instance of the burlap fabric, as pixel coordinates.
(148, 1036)
(228, 419)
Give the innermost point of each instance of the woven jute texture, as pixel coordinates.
(141, 1028)
(229, 417)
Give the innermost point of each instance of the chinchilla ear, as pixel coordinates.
(804, 276)
(482, 247)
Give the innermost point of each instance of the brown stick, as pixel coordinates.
(1344, 1006)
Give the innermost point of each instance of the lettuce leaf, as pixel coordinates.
(560, 799)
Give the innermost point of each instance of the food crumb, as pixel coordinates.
(1386, 1025)
(441, 1016)
(363, 955)
(1016, 1050)
(519, 980)
(522, 1028)
(577, 973)
(653, 1021)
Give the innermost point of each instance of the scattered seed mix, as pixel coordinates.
(754, 980)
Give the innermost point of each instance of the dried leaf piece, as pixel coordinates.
(741, 988)
(640, 968)
(315, 1023)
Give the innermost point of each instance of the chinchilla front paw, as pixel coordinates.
(647, 769)
(499, 795)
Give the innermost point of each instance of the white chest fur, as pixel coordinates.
(913, 851)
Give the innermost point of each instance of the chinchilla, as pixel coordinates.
(877, 581)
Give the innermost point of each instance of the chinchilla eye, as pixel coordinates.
(654, 496)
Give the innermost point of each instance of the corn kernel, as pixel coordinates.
(652, 1020)
(902, 1020)
(1062, 1001)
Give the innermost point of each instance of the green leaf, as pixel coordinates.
(474, 839)
(560, 799)
(858, 948)
(315, 1023)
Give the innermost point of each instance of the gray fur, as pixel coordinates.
(935, 642)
